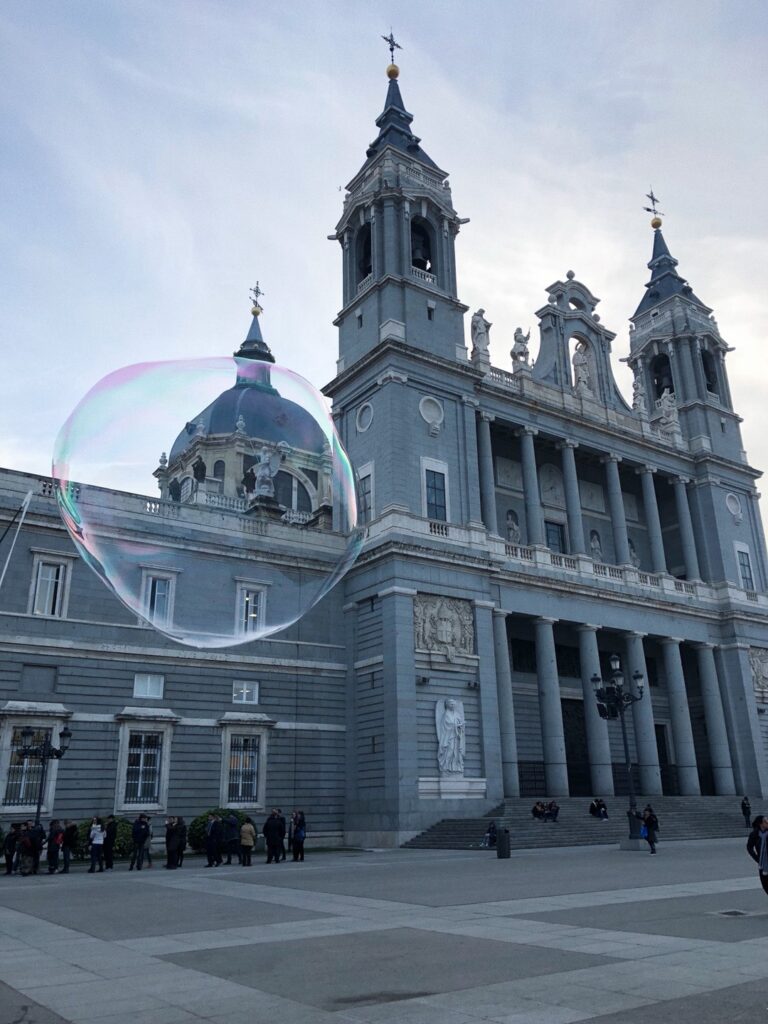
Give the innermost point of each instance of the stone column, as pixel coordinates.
(652, 521)
(509, 764)
(534, 519)
(714, 717)
(686, 528)
(598, 745)
(616, 509)
(488, 699)
(553, 738)
(682, 735)
(572, 498)
(471, 460)
(485, 462)
(399, 725)
(642, 717)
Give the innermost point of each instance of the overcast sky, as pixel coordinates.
(157, 158)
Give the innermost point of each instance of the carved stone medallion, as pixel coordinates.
(443, 625)
(758, 659)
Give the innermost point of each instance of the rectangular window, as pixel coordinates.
(142, 779)
(148, 684)
(436, 506)
(745, 570)
(245, 692)
(243, 769)
(159, 598)
(24, 773)
(555, 537)
(250, 609)
(366, 494)
(49, 588)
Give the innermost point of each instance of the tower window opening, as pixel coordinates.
(359, 319)
(218, 469)
(710, 372)
(430, 313)
(661, 376)
(421, 246)
(363, 253)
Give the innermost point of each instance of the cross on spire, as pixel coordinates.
(652, 208)
(255, 294)
(390, 41)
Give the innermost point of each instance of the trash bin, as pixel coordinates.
(502, 843)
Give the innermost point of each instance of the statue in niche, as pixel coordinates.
(758, 660)
(199, 470)
(450, 726)
(638, 396)
(520, 351)
(513, 527)
(265, 467)
(581, 380)
(669, 418)
(174, 490)
(633, 555)
(479, 330)
(443, 625)
(595, 547)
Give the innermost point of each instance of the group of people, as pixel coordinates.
(25, 842)
(226, 837)
(598, 809)
(545, 812)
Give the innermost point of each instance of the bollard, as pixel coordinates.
(502, 843)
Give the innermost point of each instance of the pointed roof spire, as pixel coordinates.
(665, 281)
(254, 346)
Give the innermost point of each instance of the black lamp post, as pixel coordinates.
(613, 699)
(44, 751)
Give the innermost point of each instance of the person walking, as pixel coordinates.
(140, 836)
(96, 837)
(299, 834)
(757, 848)
(274, 833)
(247, 842)
(182, 826)
(10, 844)
(110, 838)
(55, 839)
(746, 810)
(649, 827)
(69, 844)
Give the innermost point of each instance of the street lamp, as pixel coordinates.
(613, 699)
(45, 751)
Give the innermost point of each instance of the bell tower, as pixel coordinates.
(397, 233)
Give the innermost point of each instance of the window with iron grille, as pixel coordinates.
(745, 569)
(243, 769)
(49, 588)
(24, 773)
(142, 779)
(365, 499)
(436, 507)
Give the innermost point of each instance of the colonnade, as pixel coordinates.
(640, 719)
(534, 512)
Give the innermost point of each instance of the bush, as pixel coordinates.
(123, 843)
(196, 831)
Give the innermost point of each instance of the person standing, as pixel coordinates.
(214, 835)
(26, 850)
(55, 839)
(148, 844)
(96, 839)
(110, 838)
(37, 835)
(68, 844)
(746, 810)
(281, 818)
(651, 826)
(231, 828)
(182, 826)
(247, 842)
(274, 832)
(9, 846)
(172, 840)
(757, 848)
(139, 835)
(299, 834)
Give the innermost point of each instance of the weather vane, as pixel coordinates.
(390, 41)
(256, 294)
(652, 208)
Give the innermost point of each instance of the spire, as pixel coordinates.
(394, 124)
(665, 281)
(254, 346)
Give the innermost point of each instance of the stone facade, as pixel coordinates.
(524, 523)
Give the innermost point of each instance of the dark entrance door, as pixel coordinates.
(667, 770)
(576, 754)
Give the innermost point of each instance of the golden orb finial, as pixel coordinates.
(393, 71)
(656, 222)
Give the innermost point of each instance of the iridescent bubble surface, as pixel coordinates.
(251, 517)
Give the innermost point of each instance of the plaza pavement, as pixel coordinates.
(407, 937)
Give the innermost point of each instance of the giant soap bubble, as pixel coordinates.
(252, 516)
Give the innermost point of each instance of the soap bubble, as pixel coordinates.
(250, 519)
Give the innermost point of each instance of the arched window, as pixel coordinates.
(710, 371)
(218, 469)
(291, 493)
(422, 246)
(363, 258)
(186, 488)
(661, 376)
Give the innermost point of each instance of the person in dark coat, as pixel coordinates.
(55, 839)
(26, 848)
(69, 844)
(172, 842)
(281, 816)
(651, 824)
(214, 837)
(757, 848)
(746, 810)
(231, 828)
(110, 838)
(274, 833)
(140, 836)
(10, 844)
(182, 825)
(37, 834)
(299, 823)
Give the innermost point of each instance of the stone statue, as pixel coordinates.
(581, 381)
(595, 547)
(513, 527)
(633, 555)
(199, 470)
(249, 481)
(174, 490)
(265, 468)
(668, 406)
(519, 351)
(638, 396)
(240, 425)
(479, 331)
(451, 736)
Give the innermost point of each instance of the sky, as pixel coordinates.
(158, 158)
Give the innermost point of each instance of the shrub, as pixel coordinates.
(123, 842)
(196, 832)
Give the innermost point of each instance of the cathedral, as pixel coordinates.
(526, 530)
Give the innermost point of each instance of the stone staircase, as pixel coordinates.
(680, 817)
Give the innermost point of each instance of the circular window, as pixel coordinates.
(364, 417)
(431, 411)
(733, 504)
